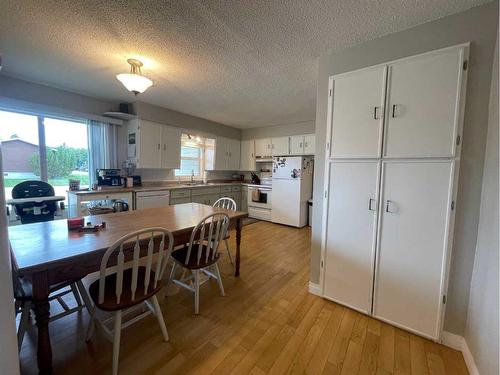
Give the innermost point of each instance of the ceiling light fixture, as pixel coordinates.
(134, 81)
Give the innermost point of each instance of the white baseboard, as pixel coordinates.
(314, 289)
(458, 343)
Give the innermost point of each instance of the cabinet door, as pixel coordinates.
(244, 200)
(233, 157)
(309, 144)
(416, 202)
(150, 145)
(247, 156)
(422, 116)
(263, 147)
(357, 118)
(297, 145)
(171, 147)
(280, 146)
(350, 233)
(221, 154)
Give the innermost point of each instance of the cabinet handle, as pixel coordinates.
(305, 145)
(387, 205)
(164, 146)
(300, 144)
(394, 110)
(375, 113)
(159, 146)
(370, 201)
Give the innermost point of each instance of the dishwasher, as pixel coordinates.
(152, 199)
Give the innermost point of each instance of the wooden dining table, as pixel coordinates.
(48, 253)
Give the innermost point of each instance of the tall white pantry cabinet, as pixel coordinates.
(393, 152)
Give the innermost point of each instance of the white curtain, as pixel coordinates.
(102, 147)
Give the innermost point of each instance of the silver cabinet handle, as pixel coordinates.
(394, 106)
(159, 146)
(387, 206)
(375, 113)
(370, 206)
(164, 146)
(300, 144)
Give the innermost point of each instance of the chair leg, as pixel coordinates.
(76, 294)
(23, 324)
(159, 316)
(116, 340)
(91, 327)
(196, 291)
(219, 280)
(85, 296)
(228, 251)
(172, 273)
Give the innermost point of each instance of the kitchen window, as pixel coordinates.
(36, 147)
(197, 155)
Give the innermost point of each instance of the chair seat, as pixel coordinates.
(179, 256)
(126, 301)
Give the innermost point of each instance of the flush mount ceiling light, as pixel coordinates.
(134, 81)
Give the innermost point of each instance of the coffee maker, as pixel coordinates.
(109, 177)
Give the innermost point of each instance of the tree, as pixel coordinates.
(61, 161)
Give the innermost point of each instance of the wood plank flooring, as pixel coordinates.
(267, 323)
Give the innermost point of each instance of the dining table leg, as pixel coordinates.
(238, 245)
(41, 306)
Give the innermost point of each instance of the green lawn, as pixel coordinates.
(84, 180)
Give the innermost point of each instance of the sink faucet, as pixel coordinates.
(192, 175)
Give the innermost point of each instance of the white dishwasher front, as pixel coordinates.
(152, 199)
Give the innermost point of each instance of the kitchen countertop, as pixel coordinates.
(160, 186)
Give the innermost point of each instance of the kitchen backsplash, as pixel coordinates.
(150, 175)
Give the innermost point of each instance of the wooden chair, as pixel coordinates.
(23, 300)
(122, 291)
(228, 204)
(201, 255)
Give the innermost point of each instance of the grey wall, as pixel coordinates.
(298, 128)
(479, 26)
(481, 332)
(169, 117)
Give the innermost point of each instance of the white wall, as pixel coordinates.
(9, 360)
(478, 26)
(481, 331)
(297, 128)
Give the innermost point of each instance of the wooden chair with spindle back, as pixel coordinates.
(121, 290)
(228, 204)
(201, 255)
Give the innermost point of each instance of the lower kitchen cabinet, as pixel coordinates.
(179, 200)
(244, 199)
(208, 199)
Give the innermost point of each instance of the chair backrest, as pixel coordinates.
(226, 202)
(139, 238)
(206, 237)
(30, 189)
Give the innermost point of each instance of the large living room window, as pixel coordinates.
(197, 155)
(43, 148)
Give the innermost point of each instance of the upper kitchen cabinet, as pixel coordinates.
(263, 148)
(227, 154)
(302, 144)
(247, 155)
(357, 114)
(153, 145)
(280, 146)
(423, 111)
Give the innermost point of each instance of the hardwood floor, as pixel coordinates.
(267, 323)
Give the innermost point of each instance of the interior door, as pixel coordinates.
(309, 144)
(280, 146)
(150, 145)
(171, 147)
(357, 118)
(422, 116)
(297, 145)
(416, 199)
(351, 232)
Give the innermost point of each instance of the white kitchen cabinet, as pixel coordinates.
(227, 154)
(309, 144)
(357, 116)
(280, 146)
(263, 148)
(423, 103)
(153, 145)
(415, 209)
(302, 144)
(247, 155)
(351, 228)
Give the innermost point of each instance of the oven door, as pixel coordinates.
(259, 197)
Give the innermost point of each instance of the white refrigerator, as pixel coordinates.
(292, 188)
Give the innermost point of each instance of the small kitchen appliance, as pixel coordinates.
(109, 177)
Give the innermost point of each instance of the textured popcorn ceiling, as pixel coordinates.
(244, 63)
